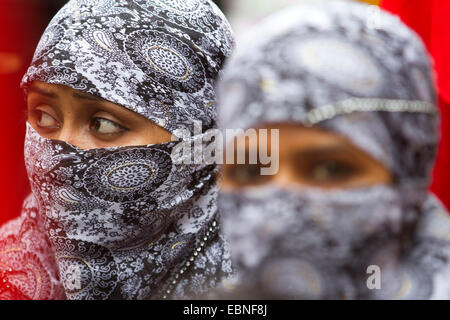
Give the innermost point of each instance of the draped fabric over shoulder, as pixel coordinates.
(123, 222)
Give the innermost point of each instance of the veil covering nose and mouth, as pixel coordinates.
(327, 64)
(123, 222)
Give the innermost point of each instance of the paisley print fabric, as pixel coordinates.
(323, 65)
(123, 222)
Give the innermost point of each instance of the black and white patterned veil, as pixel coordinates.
(125, 222)
(328, 64)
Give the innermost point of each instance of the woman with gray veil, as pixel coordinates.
(111, 214)
(348, 214)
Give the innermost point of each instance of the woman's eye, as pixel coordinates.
(105, 126)
(329, 171)
(45, 120)
(245, 174)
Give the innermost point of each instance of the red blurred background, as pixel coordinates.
(23, 21)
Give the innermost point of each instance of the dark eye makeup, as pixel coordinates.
(325, 167)
(314, 167)
(329, 170)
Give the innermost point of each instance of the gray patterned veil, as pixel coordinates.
(123, 222)
(325, 64)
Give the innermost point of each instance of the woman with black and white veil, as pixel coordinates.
(348, 213)
(111, 215)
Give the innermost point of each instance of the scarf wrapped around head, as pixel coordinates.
(130, 222)
(328, 65)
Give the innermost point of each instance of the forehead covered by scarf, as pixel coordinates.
(159, 58)
(343, 67)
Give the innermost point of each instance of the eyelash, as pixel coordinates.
(115, 123)
(246, 174)
(36, 113)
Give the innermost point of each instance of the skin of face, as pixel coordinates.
(86, 121)
(308, 157)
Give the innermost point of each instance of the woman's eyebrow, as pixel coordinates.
(85, 96)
